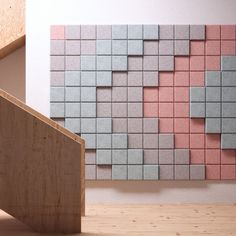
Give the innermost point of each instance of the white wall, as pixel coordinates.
(41, 14)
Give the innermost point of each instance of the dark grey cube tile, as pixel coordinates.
(212, 78)
(228, 78)
(182, 156)
(197, 110)
(228, 141)
(166, 172)
(197, 172)
(135, 156)
(119, 157)
(151, 172)
(119, 172)
(229, 94)
(213, 126)
(228, 110)
(228, 63)
(197, 94)
(229, 125)
(182, 172)
(213, 110)
(213, 94)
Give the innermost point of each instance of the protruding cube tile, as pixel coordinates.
(119, 63)
(166, 47)
(150, 63)
(119, 110)
(228, 110)
(103, 141)
(72, 78)
(119, 94)
(166, 157)
(119, 172)
(73, 124)
(90, 140)
(197, 32)
(166, 63)
(103, 47)
(119, 141)
(119, 31)
(103, 63)
(57, 110)
(166, 172)
(150, 32)
(213, 94)
(72, 32)
(72, 63)
(228, 141)
(104, 32)
(103, 109)
(197, 110)
(151, 48)
(150, 156)
(88, 109)
(135, 31)
(57, 47)
(103, 94)
(213, 126)
(166, 31)
(104, 78)
(57, 94)
(151, 172)
(197, 172)
(72, 110)
(135, 156)
(90, 156)
(103, 157)
(88, 31)
(228, 125)
(135, 141)
(135, 109)
(135, 78)
(229, 94)
(119, 157)
(104, 125)
(135, 172)
(228, 63)
(182, 172)
(119, 125)
(135, 94)
(72, 94)
(119, 47)
(88, 78)
(212, 78)
(135, 47)
(90, 172)
(182, 156)
(182, 32)
(88, 125)
(88, 63)
(57, 63)
(197, 94)
(228, 78)
(57, 78)
(72, 47)
(150, 141)
(150, 125)
(104, 172)
(88, 94)
(150, 79)
(166, 141)
(213, 110)
(135, 125)
(181, 47)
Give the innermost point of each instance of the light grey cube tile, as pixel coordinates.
(72, 94)
(151, 172)
(57, 110)
(213, 125)
(72, 62)
(151, 32)
(166, 47)
(197, 172)
(103, 47)
(166, 63)
(150, 79)
(228, 63)
(197, 94)
(150, 125)
(229, 78)
(72, 109)
(135, 31)
(119, 110)
(197, 110)
(72, 32)
(104, 172)
(229, 94)
(72, 47)
(72, 78)
(57, 47)
(213, 110)
(88, 94)
(166, 172)
(119, 31)
(104, 125)
(228, 141)
(166, 141)
(103, 109)
(88, 125)
(181, 47)
(88, 63)
(182, 156)
(103, 157)
(119, 141)
(229, 125)
(57, 94)
(119, 172)
(119, 157)
(135, 172)
(150, 63)
(104, 32)
(213, 94)
(103, 94)
(135, 141)
(57, 63)
(104, 78)
(150, 141)
(88, 109)
(135, 47)
(73, 124)
(88, 78)
(166, 157)
(135, 109)
(90, 140)
(135, 156)
(103, 141)
(135, 78)
(182, 172)
(103, 63)
(119, 47)
(212, 78)
(135, 125)
(197, 32)
(228, 109)
(119, 63)
(135, 94)
(182, 32)
(88, 31)
(151, 48)
(119, 125)
(150, 156)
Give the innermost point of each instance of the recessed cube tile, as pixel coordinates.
(103, 157)
(72, 109)
(72, 78)
(151, 48)
(228, 63)
(135, 141)
(88, 47)
(166, 141)
(104, 78)
(229, 94)
(150, 125)
(57, 94)
(166, 156)
(57, 47)
(182, 172)
(166, 172)
(57, 63)
(119, 31)
(150, 79)
(104, 125)
(151, 172)
(135, 47)
(150, 63)
(228, 78)
(103, 109)
(88, 63)
(103, 47)
(90, 140)
(88, 125)
(135, 156)
(151, 32)
(72, 47)
(119, 125)
(57, 110)
(182, 47)
(197, 94)
(119, 63)
(213, 110)
(104, 172)
(119, 156)
(135, 31)
(150, 141)
(119, 94)
(212, 78)
(166, 47)
(103, 63)
(135, 94)
(182, 156)
(135, 172)
(135, 110)
(182, 32)
(135, 78)
(135, 63)
(166, 31)
(166, 63)
(213, 125)
(88, 94)
(119, 141)
(88, 109)
(73, 124)
(57, 78)
(197, 32)
(119, 172)
(229, 125)
(197, 110)
(72, 32)
(90, 172)
(228, 141)
(119, 47)
(197, 172)
(88, 31)
(88, 78)
(103, 95)
(103, 31)
(103, 141)
(90, 156)
(119, 110)
(213, 94)
(228, 109)
(150, 156)
(135, 125)
(72, 94)
(119, 78)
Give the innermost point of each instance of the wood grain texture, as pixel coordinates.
(12, 26)
(41, 176)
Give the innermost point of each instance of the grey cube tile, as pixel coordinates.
(104, 109)
(90, 172)
(57, 47)
(197, 110)
(72, 78)
(228, 109)
(135, 78)
(88, 125)
(103, 157)
(88, 78)
(119, 94)
(103, 63)
(150, 125)
(197, 172)
(182, 156)
(72, 47)
(119, 79)
(213, 126)
(90, 140)
(135, 172)
(119, 141)
(119, 110)
(135, 110)
(135, 31)
(151, 172)
(135, 156)
(213, 94)
(90, 157)
(119, 47)
(119, 172)
(166, 31)
(104, 125)
(150, 32)
(72, 109)
(166, 47)
(197, 94)
(213, 110)
(150, 63)
(57, 94)
(72, 32)
(150, 141)
(72, 62)
(103, 141)
(103, 31)
(228, 63)
(57, 110)
(135, 63)
(182, 32)
(88, 94)
(150, 79)
(166, 141)
(229, 125)
(88, 63)
(104, 172)
(88, 47)
(119, 31)
(166, 156)
(197, 32)
(57, 63)
(228, 141)
(229, 94)
(166, 172)
(135, 94)
(119, 125)
(119, 63)
(119, 157)
(135, 125)
(228, 78)
(88, 109)
(212, 78)
(103, 47)
(135, 141)
(104, 79)
(166, 63)
(57, 78)
(182, 47)
(72, 94)
(150, 156)
(182, 172)
(88, 31)
(151, 47)
(103, 95)
(73, 124)
(135, 47)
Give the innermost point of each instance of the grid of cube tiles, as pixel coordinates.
(170, 102)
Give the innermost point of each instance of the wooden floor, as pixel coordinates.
(155, 220)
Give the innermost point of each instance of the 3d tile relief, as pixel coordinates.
(153, 102)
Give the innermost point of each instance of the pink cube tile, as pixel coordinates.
(197, 48)
(181, 140)
(166, 79)
(212, 141)
(213, 172)
(213, 47)
(197, 79)
(197, 63)
(212, 62)
(181, 78)
(197, 156)
(228, 172)
(181, 94)
(228, 157)
(197, 125)
(166, 110)
(57, 32)
(213, 32)
(57, 78)
(213, 156)
(166, 125)
(150, 94)
(104, 172)
(228, 47)
(181, 125)
(227, 32)
(90, 172)
(166, 94)
(103, 31)
(88, 47)
(181, 110)
(181, 63)
(150, 109)
(197, 140)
